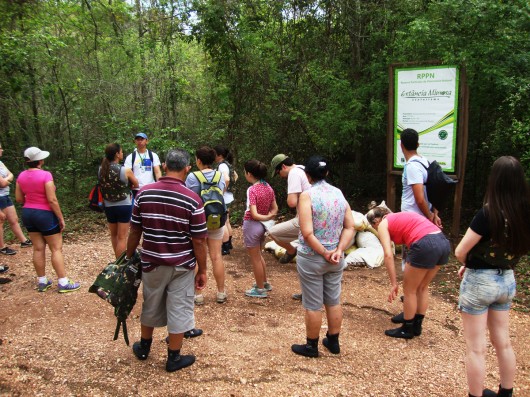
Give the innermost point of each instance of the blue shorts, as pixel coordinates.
(253, 233)
(484, 289)
(40, 221)
(119, 214)
(429, 251)
(5, 201)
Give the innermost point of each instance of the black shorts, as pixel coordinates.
(429, 251)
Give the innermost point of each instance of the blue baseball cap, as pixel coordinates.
(140, 135)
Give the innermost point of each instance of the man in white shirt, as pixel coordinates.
(144, 163)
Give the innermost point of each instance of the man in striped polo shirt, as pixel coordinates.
(171, 218)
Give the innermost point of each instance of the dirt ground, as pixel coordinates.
(54, 344)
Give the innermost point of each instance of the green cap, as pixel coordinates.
(276, 161)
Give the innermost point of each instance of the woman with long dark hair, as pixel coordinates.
(498, 236)
(116, 182)
(225, 160)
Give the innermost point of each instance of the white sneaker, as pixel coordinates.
(221, 297)
(199, 299)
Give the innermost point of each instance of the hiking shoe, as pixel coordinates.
(176, 361)
(43, 287)
(398, 318)
(489, 393)
(193, 333)
(256, 293)
(297, 297)
(331, 343)
(401, 332)
(70, 287)
(3, 268)
(266, 286)
(305, 350)
(224, 249)
(287, 258)
(7, 251)
(141, 350)
(26, 244)
(5, 280)
(221, 297)
(199, 300)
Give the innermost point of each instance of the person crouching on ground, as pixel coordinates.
(427, 248)
(326, 228)
(261, 207)
(171, 218)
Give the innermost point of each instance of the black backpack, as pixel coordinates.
(212, 198)
(118, 284)
(232, 174)
(439, 185)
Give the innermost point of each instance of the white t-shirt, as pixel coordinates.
(142, 169)
(413, 173)
(297, 180)
(225, 171)
(4, 172)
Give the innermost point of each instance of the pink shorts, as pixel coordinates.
(253, 233)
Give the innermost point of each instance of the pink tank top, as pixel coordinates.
(408, 227)
(31, 183)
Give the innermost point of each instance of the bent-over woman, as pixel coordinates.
(498, 236)
(427, 250)
(43, 218)
(116, 182)
(326, 228)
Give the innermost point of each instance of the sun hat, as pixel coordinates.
(141, 135)
(276, 161)
(35, 154)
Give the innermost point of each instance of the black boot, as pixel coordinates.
(310, 349)
(504, 392)
(175, 361)
(225, 250)
(331, 342)
(229, 243)
(405, 331)
(418, 321)
(142, 348)
(398, 318)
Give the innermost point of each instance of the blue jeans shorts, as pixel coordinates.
(484, 289)
(118, 214)
(5, 201)
(40, 221)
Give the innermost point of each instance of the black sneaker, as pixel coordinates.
(5, 280)
(176, 361)
(225, 250)
(141, 350)
(287, 258)
(26, 244)
(305, 350)
(401, 332)
(193, 333)
(7, 251)
(332, 344)
(3, 268)
(297, 297)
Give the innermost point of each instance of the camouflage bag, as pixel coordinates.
(118, 284)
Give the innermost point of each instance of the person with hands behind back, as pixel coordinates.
(326, 228)
(498, 236)
(427, 247)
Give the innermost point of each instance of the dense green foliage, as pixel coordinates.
(293, 76)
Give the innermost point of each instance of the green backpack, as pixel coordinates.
(118, 284)
(212, 198)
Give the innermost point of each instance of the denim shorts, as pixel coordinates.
(253, 233)
(118, 214)
(429, 251)
(484, 289)
(40, 221)
(5, 201)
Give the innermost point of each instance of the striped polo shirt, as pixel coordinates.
(169, 215)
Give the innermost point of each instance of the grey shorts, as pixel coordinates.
(484, 289)
(320, 281)
(168, 299)
(429, 251)
(253, 233)
(285, 231)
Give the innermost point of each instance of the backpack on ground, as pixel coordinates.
(95, 199)
(212, 198)
(439, 185)
(118, 284)
(232, 175)
(150, 154)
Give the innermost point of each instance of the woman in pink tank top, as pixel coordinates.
(427, 249)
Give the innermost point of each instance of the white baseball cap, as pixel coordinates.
(35, 154)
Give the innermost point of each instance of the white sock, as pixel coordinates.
(42, 280)
(63, 281)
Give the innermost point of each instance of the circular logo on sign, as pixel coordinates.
(443, 135)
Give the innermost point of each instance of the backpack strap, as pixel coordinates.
(216, 177)
(150, 154)
(419, 162)
(133, 158)
(200, 177)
